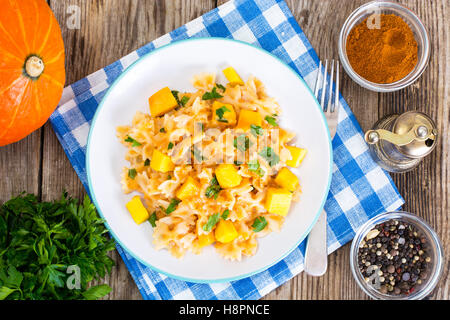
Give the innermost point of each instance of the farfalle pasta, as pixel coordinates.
(210, 167)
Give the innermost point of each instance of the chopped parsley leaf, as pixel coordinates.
(212, 191)
(201, 126)
(197, 154)
(170, 146)
(272, 121)
(212, 221)
(242, 143)
(220, 112)
(254, 166)
(259, 224)
(218, 85)
(175, 94)
(184, 100)
(256, 130)
(225, 214)
(147, 162)
(134, 143)
(172, 206)
(271, 157)
(153, 219)
(211, 95)
(132, 173)
(163, 130)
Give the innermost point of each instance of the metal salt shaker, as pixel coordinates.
(398, 143)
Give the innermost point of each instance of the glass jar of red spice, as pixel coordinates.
(416, 26)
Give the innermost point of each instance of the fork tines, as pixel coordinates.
(322, 77)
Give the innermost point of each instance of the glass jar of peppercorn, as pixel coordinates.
(396, 255)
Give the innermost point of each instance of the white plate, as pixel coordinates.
(173, 66)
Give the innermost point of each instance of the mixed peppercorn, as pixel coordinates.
(393, 258)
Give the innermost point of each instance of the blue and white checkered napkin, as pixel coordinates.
(360, 189)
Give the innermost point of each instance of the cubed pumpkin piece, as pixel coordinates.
(138, 212)
(232, 76)
(278, 201)
(247, 118)
(297, 154)
(161, 102)
(223, 113)
(285, 136)
(227, 176)
(189, 189)
(286, 179)
(225, 231)
(206, 239)
(161, 162)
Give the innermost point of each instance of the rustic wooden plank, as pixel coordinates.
(109, 30)
(20, 167)
(426, 188)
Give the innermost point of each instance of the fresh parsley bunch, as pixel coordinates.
(41, 242)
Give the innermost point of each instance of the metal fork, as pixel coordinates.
(316, 247)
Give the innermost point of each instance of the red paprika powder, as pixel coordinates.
(384, 53)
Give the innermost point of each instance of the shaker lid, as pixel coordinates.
(425, 133)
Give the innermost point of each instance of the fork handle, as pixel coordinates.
(316, 248)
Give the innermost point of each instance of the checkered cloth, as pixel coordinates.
(360, 189)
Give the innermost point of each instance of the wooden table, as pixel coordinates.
(110, 29)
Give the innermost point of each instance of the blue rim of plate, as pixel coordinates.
(88, 170)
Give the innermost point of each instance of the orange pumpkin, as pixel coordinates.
(32, 71)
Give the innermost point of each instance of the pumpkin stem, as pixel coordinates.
(34, 66)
